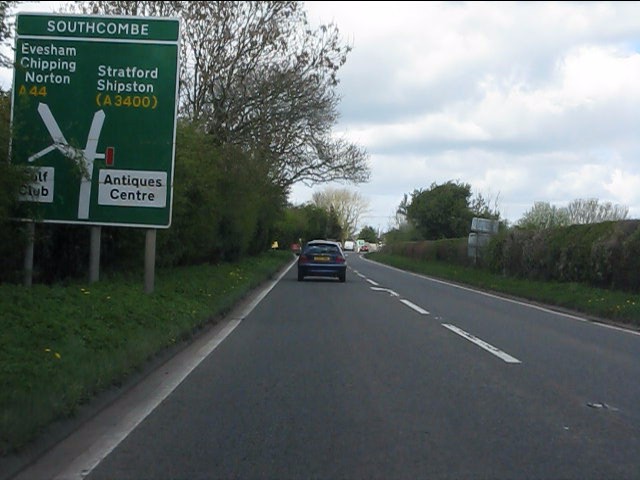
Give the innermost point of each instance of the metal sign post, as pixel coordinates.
(28, 255)
(149, 261)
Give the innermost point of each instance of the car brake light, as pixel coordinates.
(340, 259)
(303, 259)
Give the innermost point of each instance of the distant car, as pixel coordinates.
(364, 248)
(349, 246)
(322, 258)
(295, 248)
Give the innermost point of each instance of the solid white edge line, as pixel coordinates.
(84, 464)
(510, 300)
(418, 309)
(482, 344)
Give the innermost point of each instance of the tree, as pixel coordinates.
(291, 227)
(543, 215)
(349, 207)
(579, 211)
(369, 234)
(6, 30)
(400, 215)
(334, 229)
(301, 223)
(442, 211)
(257, 75)
(582, 211)
(485, 207)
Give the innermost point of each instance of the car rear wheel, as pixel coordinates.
(300, 277)
(342, 277)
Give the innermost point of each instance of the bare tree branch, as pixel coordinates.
(256, 75)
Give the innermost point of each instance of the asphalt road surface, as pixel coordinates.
(387, 376)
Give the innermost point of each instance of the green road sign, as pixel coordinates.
(94, 116)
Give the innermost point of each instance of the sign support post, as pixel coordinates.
(149, 261)
(94, 254)
(28, 255)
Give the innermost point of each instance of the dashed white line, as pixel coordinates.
(372, 282)
(415, 307)
(482, 344)
(380, 289)
(510, 300)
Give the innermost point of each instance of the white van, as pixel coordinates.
(349, 246)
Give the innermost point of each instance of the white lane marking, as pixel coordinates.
(482, 344)
(372, 282)
(101, 447)
(380, 289)
(505, 299)
(418, 309)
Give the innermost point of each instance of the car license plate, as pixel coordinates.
(321, 258)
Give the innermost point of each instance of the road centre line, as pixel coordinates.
(509, 300)
(376, 284)
(482, 344)
(380, 289)
(415, 307)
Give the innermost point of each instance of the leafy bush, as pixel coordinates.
(452, 250)
(627, 275)
(604, 254)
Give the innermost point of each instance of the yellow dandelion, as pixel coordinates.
(47, 350)
(57, 355)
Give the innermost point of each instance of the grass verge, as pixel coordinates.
(61, 345)
(615, 306)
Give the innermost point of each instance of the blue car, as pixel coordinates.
(322, 258)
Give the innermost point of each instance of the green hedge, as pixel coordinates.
(450, 250)
(605, 255)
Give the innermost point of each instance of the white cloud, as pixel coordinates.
(598, 74)
(437, 126)
(624, 186)
(536, 101)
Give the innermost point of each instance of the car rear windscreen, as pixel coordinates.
(315, 249)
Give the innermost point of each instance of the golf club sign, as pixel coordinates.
(94, 115)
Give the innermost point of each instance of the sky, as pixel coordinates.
(526, 102)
